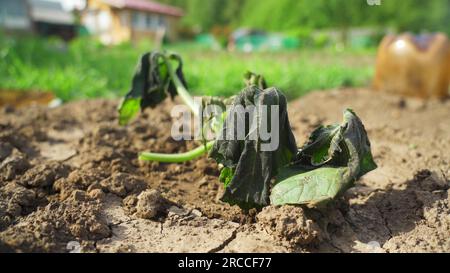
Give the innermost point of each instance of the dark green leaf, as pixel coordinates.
(151, 84)
(252, 168)
(251, 78)
(358, 145)
(322, 145)
(332, 160)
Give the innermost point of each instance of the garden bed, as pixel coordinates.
(70, 180)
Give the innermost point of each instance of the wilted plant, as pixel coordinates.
(329, 163)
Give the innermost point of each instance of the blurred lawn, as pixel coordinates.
(86, 69)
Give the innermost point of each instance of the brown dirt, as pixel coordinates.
(70, 181)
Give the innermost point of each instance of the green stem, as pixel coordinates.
(177, 158)
(181, 90)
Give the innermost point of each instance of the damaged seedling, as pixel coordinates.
(256, 170)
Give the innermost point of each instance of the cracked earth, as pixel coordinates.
(70, 175)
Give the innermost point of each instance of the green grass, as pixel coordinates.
(86, 69)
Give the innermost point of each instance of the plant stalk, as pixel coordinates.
(177, 158)
(181, 90)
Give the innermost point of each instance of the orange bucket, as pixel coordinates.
(413, 65)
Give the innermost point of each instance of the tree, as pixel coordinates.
(282, 15)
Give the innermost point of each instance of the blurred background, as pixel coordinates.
(76, 49)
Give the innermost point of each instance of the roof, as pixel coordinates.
(145, 5)
(50, 12)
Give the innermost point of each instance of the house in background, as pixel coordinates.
(50, 19)
(117, 21)
(43, 17)
(14, 16)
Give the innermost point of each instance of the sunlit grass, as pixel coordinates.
(85, 69)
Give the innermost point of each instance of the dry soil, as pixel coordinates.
(70, 181)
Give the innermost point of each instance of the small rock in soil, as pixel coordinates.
(5, 150)
(289, 223)
(44, 175)
(149, 203)
(15, 164)
(122, 184)
(96, 194)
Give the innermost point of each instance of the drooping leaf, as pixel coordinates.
(226, 174)
(128, 109)
(151, 84)
(358, 144)
(212, 121)
(332, 160)
(251, 78)
(249, 168)
(322, 145)
(310, 187)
